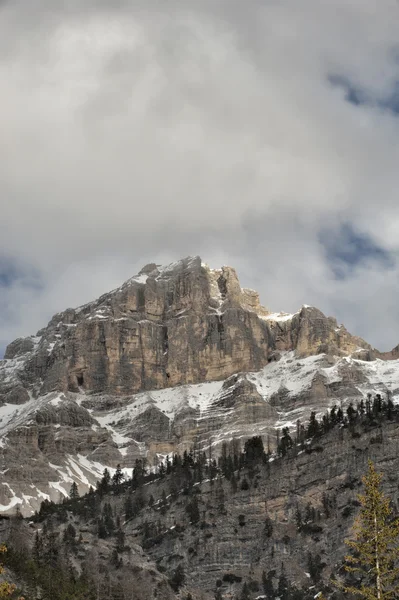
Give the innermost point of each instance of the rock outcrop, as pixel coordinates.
(178, 356)
(167, 326)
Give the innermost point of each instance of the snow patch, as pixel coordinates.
(279, 317)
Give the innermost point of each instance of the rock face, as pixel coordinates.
(181, 324)
(233, 538)
(168, 326)
(177, 356)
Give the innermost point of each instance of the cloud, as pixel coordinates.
(347, 249)
(249, 133)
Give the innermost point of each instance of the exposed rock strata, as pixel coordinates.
(84, 393)
(181, 324)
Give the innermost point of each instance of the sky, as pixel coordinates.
(261, 134)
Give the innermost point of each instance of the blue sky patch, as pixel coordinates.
(346, 249)
(12, 272)
(357, 96)
(353, 94)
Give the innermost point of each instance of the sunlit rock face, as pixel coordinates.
(178, 356)
(180, 324)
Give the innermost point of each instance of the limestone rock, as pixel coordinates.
(181, 324)
(17, 395)
(177, 357)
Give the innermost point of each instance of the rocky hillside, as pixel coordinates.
(236, 530)
(177, 357)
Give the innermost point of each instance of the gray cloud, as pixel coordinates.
(133, 132)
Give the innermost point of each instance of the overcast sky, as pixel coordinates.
(262, 134)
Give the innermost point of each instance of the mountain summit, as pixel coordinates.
(177, 356)
(184, 323)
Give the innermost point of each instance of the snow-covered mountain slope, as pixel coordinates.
(180, 324)
(176, 357)
(61, 437)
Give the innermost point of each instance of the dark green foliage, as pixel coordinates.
(73, 492)
(347, 511)
(231, 578)
(285, 442)
(314, 429)
(283, 586)
(254, 450)
(70, 535)
(129, 508)
(268, 529)
(106, 524)
(120, 540)
(192, 510)
(373, 562)
(267, 584)
(315, 567)
(245, 592)
(139, 472)
(178, 578)
(47, 569)
(185, 473)
(104, 485)
(118, 477)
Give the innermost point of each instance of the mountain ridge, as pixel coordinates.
(176, 357)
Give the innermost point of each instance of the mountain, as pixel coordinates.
(177, 357)
(252, 525)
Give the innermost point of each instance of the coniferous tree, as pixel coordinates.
(233, 482)
(178, 578)
(298, 519)
(268, 530)
(69, 536)
(283, 585)
(374, 554)
(285, 442)
(267, 583)
(108, 519)
(103, 485)
(129, 509)
(253, 449)
(245, 592)
(6, 589)
(74, 492)
(314, 426)
(192, 510)
(118, 476)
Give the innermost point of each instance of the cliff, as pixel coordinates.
(175, 357)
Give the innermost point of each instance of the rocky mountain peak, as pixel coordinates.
(182, 323)
(177, 356)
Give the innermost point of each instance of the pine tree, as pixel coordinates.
(267, 583)
(6, 589)
(192, 509)
(118, 476)
(108, 519)
(74, 492)
(245, 592)
(129, 509)
(104, 484)
(283, 585)
(375, 547)
(178, 578)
